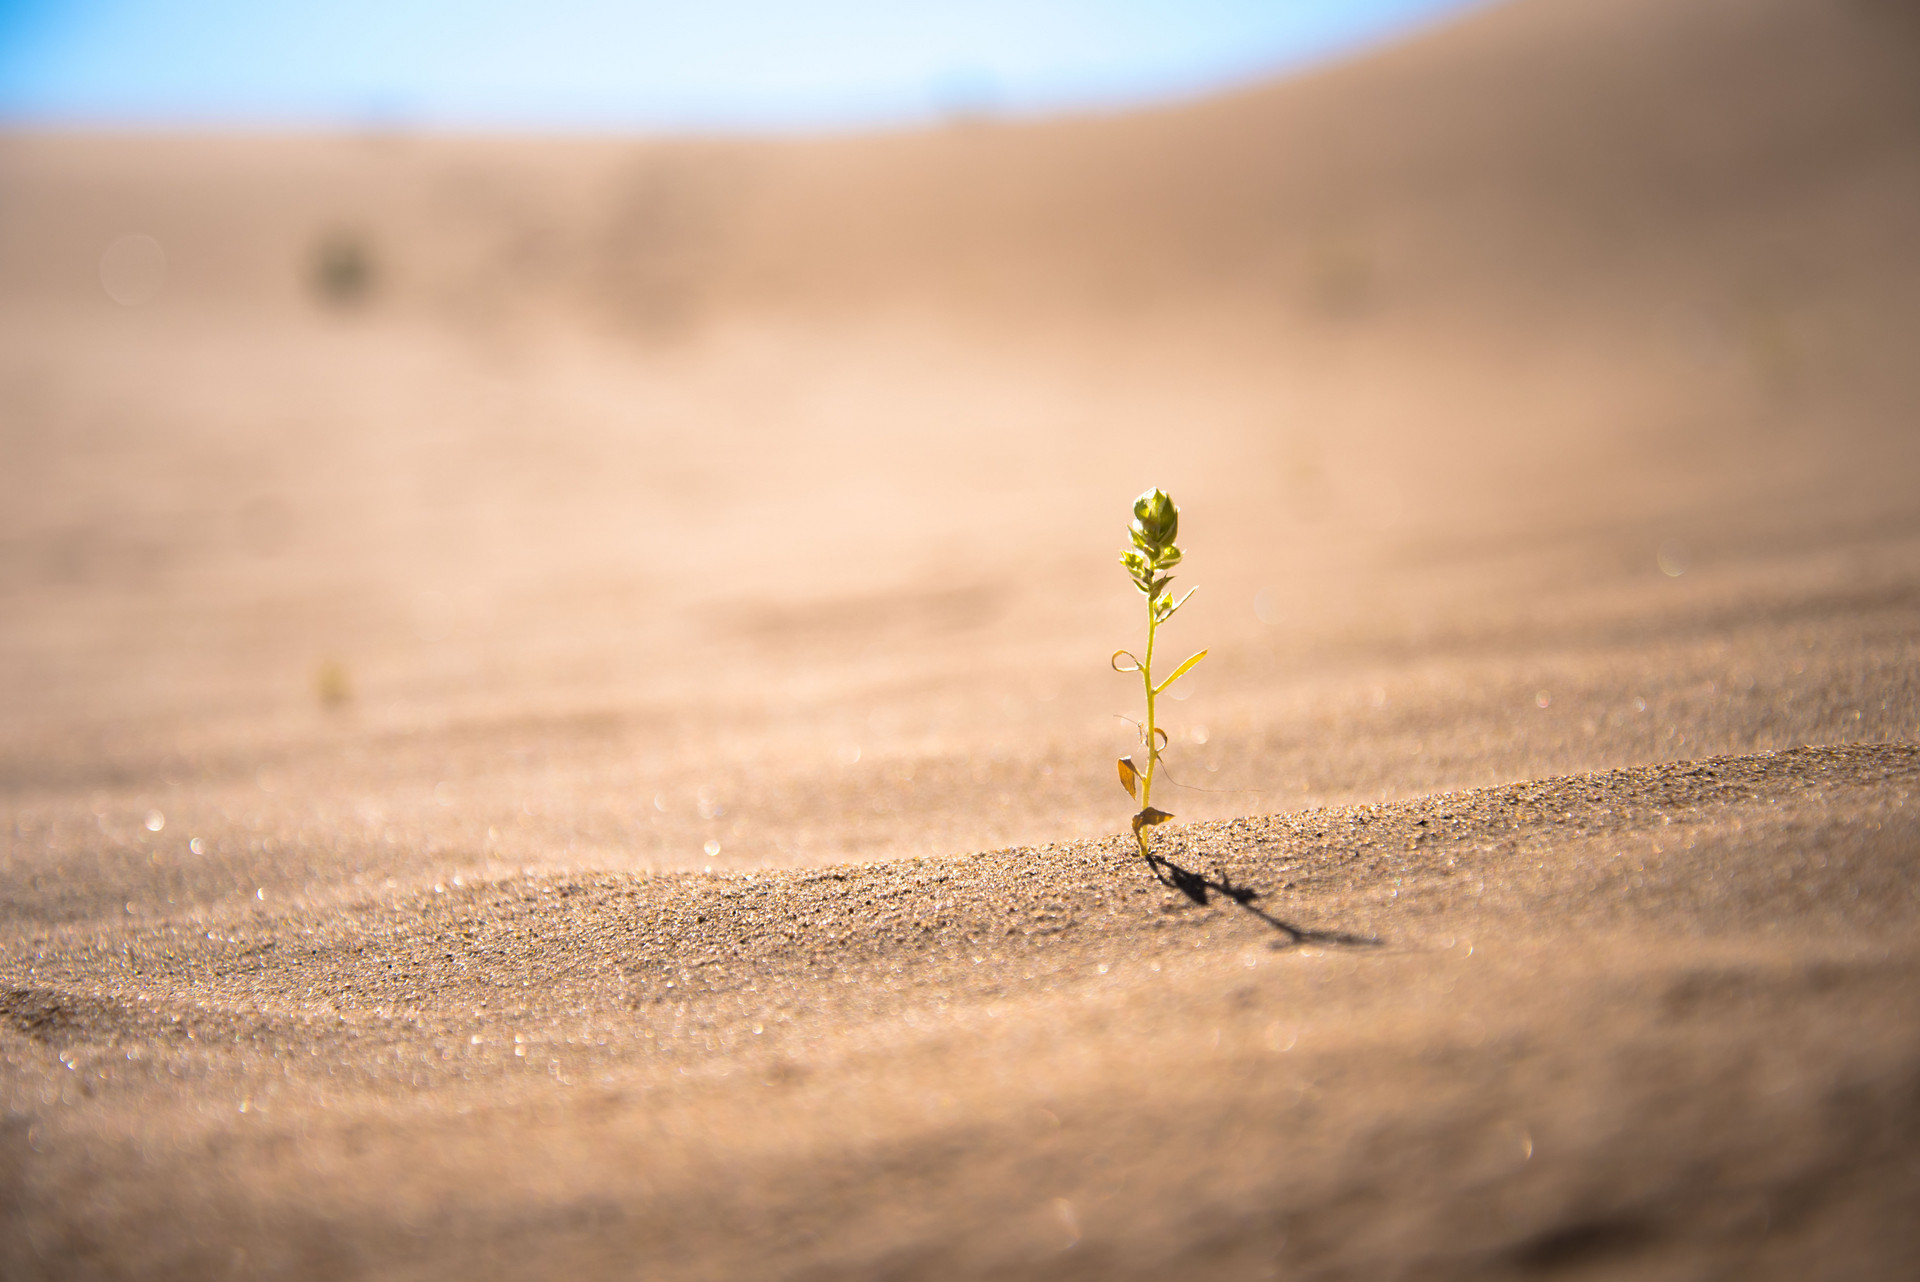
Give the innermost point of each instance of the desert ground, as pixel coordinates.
(556, 718)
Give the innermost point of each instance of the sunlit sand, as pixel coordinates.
(558, 718)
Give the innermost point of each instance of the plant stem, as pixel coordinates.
(1153, 746)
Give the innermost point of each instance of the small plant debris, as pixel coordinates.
(1150, 560)
(332, 685)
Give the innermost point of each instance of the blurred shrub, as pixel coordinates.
(343, 273)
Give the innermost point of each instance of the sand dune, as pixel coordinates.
(1643, 1020)
(472, 540)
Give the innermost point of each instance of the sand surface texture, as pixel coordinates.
(557, 719)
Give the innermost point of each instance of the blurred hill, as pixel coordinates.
(1639, 153)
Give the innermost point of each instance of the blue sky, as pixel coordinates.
(594, 64)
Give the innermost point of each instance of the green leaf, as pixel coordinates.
(1180, 671)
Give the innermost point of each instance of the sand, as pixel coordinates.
(582, 742)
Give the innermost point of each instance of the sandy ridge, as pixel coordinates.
(940, 1063)
(553, 944)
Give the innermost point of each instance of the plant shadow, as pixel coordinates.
(1200, 889)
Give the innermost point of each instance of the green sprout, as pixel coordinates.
(1156, 523)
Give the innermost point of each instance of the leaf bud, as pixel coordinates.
(1156, 521)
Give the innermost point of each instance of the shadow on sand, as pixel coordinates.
(1200, 888)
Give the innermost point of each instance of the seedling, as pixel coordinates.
(1156, 523)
